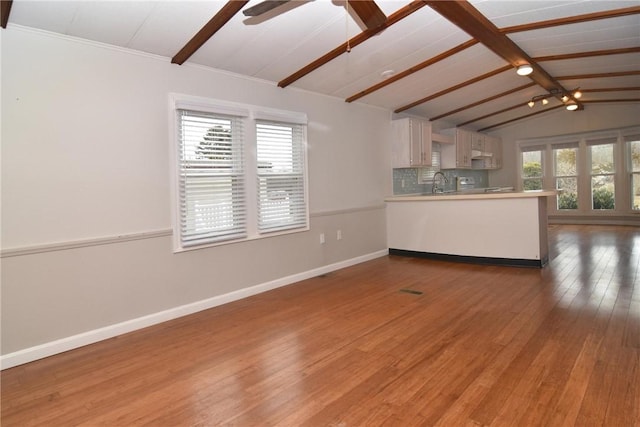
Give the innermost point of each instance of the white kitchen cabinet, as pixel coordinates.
(458, 155)
(492, 154)
(463, 150)
(412, 144)
(497, 153)
(492, 147)
(477, 141)
(472, 150)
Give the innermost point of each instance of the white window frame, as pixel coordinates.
(530, 148)
(614, 143)
(622, 175)
(281, 194)
(571, 145)
(210, 181)
(248, 115)
(628, 139)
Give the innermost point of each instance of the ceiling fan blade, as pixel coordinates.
(368, 12)
(263, 7)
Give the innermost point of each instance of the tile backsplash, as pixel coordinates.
(405, 180)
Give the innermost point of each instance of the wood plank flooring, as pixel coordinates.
(479, 346)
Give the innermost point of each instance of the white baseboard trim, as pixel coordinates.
(75, 341)
(603, 220)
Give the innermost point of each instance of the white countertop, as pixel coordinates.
(471, 196)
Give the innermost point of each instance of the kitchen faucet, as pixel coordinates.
(434, 189)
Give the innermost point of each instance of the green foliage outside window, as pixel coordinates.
(532, 170)
(568, 201)
(603, 198)
(566, 161)
(532, 184)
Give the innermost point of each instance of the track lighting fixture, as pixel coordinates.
(524, 70)
(566, 98)
(542, 98)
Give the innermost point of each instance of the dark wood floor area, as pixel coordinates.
(467, 345)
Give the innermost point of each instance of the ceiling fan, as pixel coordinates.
(367, 10)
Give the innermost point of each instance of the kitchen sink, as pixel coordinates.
(498, 189)
(473, 191)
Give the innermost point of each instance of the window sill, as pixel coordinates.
(180, 249)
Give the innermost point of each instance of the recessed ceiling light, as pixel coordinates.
(524, 70)
(387, 73)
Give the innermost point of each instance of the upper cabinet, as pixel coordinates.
(413, 142)
(472, 150)
(458, 155)
(409, 147)
(477, 141)
(493, 151)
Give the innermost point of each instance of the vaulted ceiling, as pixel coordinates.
(448, 60)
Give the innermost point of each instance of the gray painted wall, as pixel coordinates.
(85, 161)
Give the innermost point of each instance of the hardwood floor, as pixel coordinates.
(471, 345)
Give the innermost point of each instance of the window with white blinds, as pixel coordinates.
(210, 178)
(280, 159)
(239, 172)
(425, 174)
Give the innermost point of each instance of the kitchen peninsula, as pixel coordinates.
(508, 228)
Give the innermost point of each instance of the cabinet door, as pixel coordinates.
(415, 142)
(411, 145)
(401, 144)
(426, 145)
(463, 149)
(489, 146)
(478, 141)
(497, 153)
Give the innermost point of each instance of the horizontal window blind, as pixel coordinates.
(602, 141)
(561, 145)
(211, 180)
(530, 148)
(282, 203)
(631, 138)
(426, 174)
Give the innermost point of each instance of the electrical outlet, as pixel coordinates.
(402, 183)
(321, 238)
(339, 235)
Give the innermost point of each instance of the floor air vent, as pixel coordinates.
(411, 291)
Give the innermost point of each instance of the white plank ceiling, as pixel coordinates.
(279, 43)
